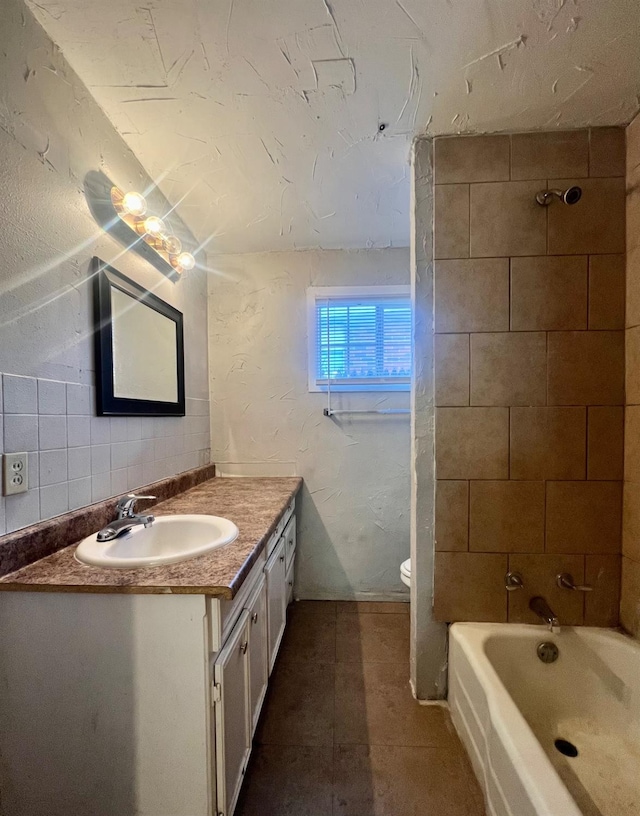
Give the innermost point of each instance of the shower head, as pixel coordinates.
(569, 196)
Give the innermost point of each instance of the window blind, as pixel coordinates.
(363, 341)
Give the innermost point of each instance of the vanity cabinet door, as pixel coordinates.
(290, 575)
(275, 572)
(289, 536)
(258, 650)
(232, 715)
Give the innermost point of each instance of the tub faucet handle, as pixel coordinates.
(513, 581)
(565, 581)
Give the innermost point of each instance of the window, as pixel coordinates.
(359, 338)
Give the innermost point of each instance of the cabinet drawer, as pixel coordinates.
(273, 541)
(229, 610)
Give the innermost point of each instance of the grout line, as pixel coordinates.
(469, 515)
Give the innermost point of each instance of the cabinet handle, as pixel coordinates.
(254, 617)
(244, 647)
(281, 558)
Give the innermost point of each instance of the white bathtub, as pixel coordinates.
(509, 708)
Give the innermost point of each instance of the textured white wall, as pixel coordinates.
(354, 519)
(266, 113)
(52, 133)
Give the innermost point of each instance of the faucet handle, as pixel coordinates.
(565, 581)
(126, 504)
(513, 581)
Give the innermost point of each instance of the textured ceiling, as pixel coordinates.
(281, 124)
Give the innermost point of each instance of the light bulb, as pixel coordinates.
(134, 204)
(186, 261)
(172, 245)
(154, 225)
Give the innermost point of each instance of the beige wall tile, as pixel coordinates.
(633, 211)
(472, 295)
(595, 225)
(509, 368)
(550, 155)
(631, 520)
(606, 291)
(632, 367)
(605, 442)
(506, 517)
(584, 517)
(506, 220)
(470, 586)
(632, 444)
(539, 575)
(452, 515)
(630, 596)
(549, 293)
(451, 364)
(602, 604)
(633, 146)
(451, 221)
(471, 158)
(472, 443)
(548, 443)
(586, 368)
(632, 304)
(606, 152)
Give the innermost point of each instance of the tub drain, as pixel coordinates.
(567, 748)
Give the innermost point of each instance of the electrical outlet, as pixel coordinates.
(16, 473)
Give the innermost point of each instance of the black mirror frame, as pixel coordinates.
(107, 404)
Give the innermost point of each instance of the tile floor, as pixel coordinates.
(340, 733)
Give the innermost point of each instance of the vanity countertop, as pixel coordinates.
(256, 505)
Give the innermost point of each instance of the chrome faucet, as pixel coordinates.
(126, 519)
(544, 611)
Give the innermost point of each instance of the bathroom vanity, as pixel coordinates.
(138, 691)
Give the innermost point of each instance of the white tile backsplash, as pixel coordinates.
(52, 432)
(33, 468)
(119, 429)
(79, 462)
(100, 459)
(100, 487)
(52, 397)
(79, 399)
(54, 500)
(119, 482)
(20, 394)
(76, 458)
(100, 430)
(119, 455)
(20, 433)
(22, 510)
(53, 467)
(79, 493)
(134, 428)
(78, 431)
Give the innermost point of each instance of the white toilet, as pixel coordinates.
(405, 572)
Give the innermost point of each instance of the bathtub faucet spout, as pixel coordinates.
(544, 611)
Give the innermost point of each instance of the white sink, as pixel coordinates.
(169, 540)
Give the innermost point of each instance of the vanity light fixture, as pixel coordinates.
(131, 208)
(134, 204)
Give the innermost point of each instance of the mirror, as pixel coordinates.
(139, 349)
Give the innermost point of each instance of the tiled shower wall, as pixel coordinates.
(529, 374)
(76, 458)
(630, 603)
